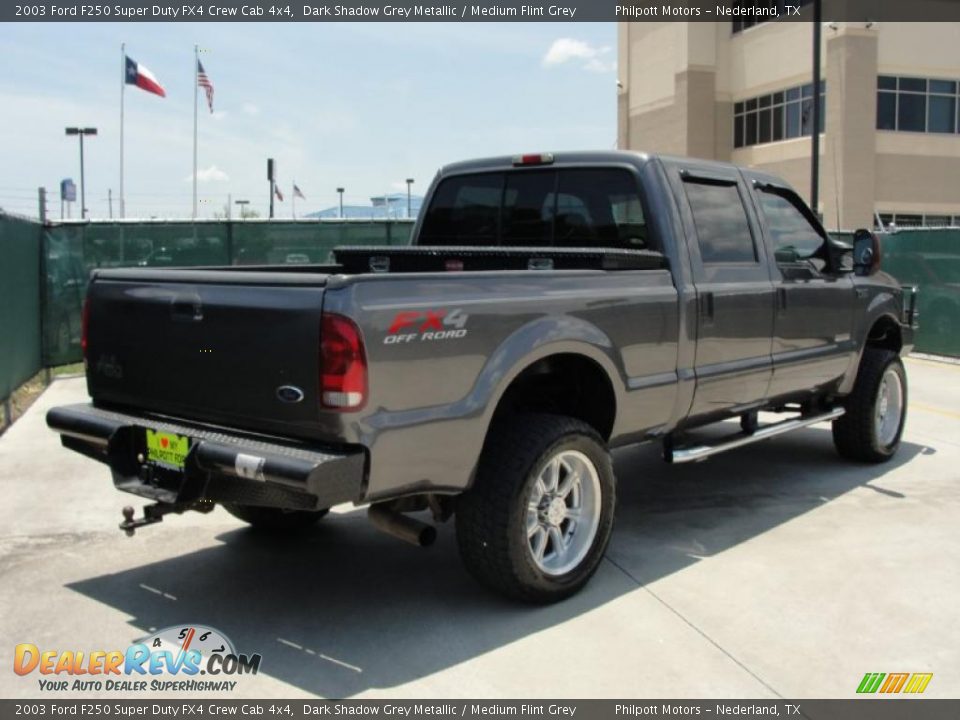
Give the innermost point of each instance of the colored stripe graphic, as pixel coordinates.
(918, 682)
(894, 682)
(870, 682)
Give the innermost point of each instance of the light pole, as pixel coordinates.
(272, 177)
(83, 196)
(409, 183)
(815, 137)
(340, 191)
(243, 207)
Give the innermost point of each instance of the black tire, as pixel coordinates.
(855, 433)
(492, 516)
(274, 519)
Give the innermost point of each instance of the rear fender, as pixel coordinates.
(450, 437)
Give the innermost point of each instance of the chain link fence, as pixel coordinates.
(929, 259)
(20, 302)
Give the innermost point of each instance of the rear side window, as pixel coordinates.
(723, 231)
(593, 207)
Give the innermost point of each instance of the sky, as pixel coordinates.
(357, 105)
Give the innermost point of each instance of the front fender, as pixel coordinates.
(877, 301)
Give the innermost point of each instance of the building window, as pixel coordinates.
(778, 116)
(906, 220)
(757, 12)
(909, 104)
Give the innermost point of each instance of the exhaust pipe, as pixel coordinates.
(402, 526)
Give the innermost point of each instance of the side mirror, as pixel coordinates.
(787, 255)
(866, 252)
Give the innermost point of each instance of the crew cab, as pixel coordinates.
(551, 307)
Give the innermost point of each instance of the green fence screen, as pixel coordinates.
(929, 259)
(72, 250)
(43, 273)
(20, 278)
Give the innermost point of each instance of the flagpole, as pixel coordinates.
(196, 60)
(293, 201)
(123, 90)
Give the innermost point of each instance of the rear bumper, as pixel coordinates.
(220, 466)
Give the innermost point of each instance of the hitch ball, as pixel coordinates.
(128, 527)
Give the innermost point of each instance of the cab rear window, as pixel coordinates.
(590, 207)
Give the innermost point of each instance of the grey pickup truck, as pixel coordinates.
(550, 307)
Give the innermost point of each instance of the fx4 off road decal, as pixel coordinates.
(421, 326)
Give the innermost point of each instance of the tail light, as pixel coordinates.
(343, 364)
(84, 326)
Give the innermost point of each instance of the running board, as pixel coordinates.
(702, 452)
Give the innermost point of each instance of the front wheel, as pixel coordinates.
(871, 429)
(538, 518)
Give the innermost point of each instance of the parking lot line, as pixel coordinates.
(931, 409)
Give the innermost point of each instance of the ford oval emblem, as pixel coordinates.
(289, 394)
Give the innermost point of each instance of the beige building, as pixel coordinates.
(890, 146)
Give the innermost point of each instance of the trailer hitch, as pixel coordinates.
(154, 513)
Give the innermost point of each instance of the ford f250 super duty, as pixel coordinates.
(550, 307)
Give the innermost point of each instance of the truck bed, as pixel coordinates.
(217, 344)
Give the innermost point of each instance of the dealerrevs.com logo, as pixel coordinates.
(182, 658)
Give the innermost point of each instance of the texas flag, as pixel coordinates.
(138, 75)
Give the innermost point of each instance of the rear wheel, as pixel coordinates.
(274, 519)
(871, 428)
(538, 518)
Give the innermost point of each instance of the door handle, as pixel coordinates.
(782, 299)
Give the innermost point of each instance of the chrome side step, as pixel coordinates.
(697, 453)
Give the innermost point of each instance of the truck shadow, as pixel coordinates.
(343, 609)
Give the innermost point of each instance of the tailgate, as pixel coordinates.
(224, 347)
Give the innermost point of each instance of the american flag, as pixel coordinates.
(204, 82)
(297, 193)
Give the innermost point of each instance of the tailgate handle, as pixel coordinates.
(187, 307)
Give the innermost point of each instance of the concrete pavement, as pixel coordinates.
(777, 569)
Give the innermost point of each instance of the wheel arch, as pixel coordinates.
(563, 383)
(882, 331)
(885, 332)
